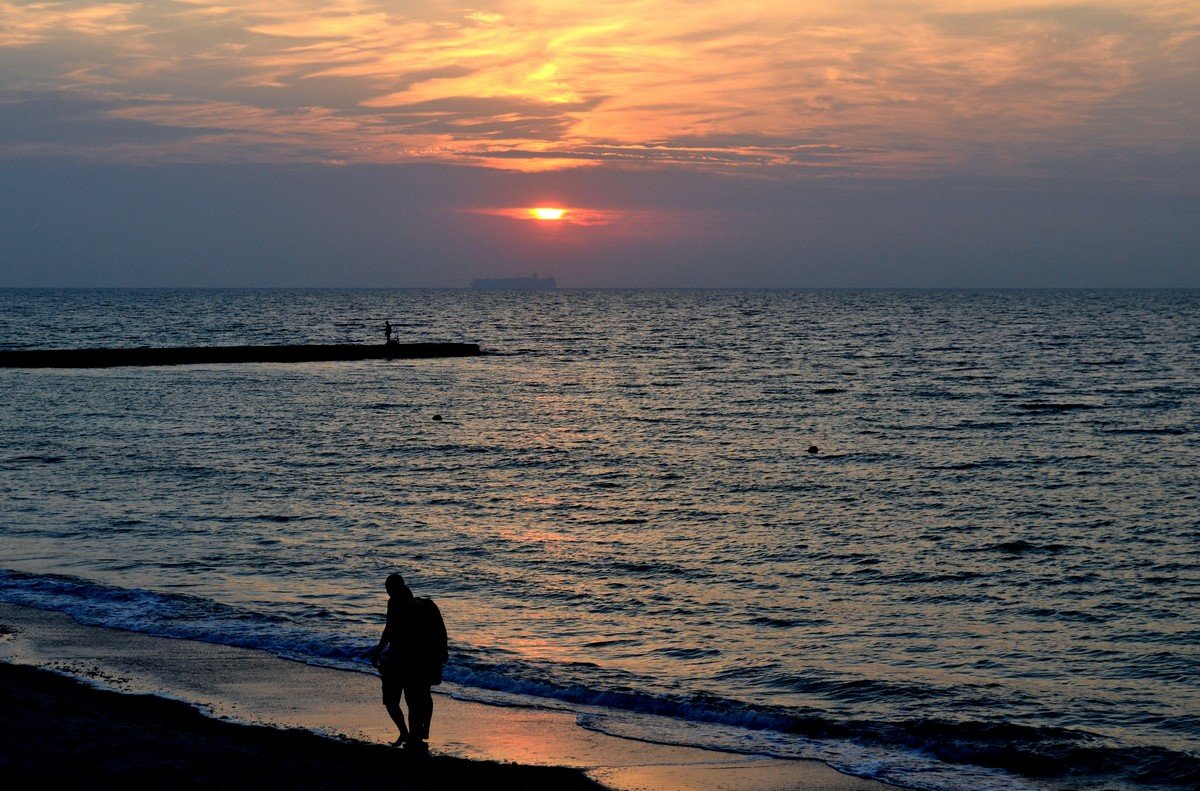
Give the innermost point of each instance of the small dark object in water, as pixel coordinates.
(437, 417)
(813, 449)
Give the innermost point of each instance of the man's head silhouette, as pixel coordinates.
(395, 585)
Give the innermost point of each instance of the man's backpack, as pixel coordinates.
(432, 638)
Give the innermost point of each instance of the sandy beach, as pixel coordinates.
(55, 729)
(138, 717)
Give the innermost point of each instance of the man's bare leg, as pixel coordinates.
(393, 710)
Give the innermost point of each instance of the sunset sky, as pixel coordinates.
(691, 142)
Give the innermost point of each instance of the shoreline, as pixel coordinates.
(336, 707)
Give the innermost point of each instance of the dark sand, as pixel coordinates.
(56, 730)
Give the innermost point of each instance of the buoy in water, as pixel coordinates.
(813, 449)
(437, 417)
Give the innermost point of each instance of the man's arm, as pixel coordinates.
(384, 639)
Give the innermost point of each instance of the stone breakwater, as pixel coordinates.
(202, 355)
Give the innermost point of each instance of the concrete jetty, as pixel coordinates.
(204, 355)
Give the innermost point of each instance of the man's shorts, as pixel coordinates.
(396, 679)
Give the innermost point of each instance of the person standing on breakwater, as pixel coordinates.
(410, 655)
(387, 331)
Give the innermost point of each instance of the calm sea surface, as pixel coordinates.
(987, 577)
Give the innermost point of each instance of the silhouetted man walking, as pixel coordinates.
(410, 655)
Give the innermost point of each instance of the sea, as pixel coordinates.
(946, 539)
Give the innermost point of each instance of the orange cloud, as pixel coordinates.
(28, 24)
(781, 86)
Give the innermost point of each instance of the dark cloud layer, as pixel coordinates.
(67, 120)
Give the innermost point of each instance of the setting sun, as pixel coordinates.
(544, 213)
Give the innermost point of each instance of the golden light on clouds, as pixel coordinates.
(562, 215)
(810, 87)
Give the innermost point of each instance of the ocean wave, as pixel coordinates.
(176, 615)
(1039, 406)
(1170, 431)
(1020, 547)
(934, 753)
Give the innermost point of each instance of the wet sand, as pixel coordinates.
(327, 726)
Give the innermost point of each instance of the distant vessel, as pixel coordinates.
(532, 283)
